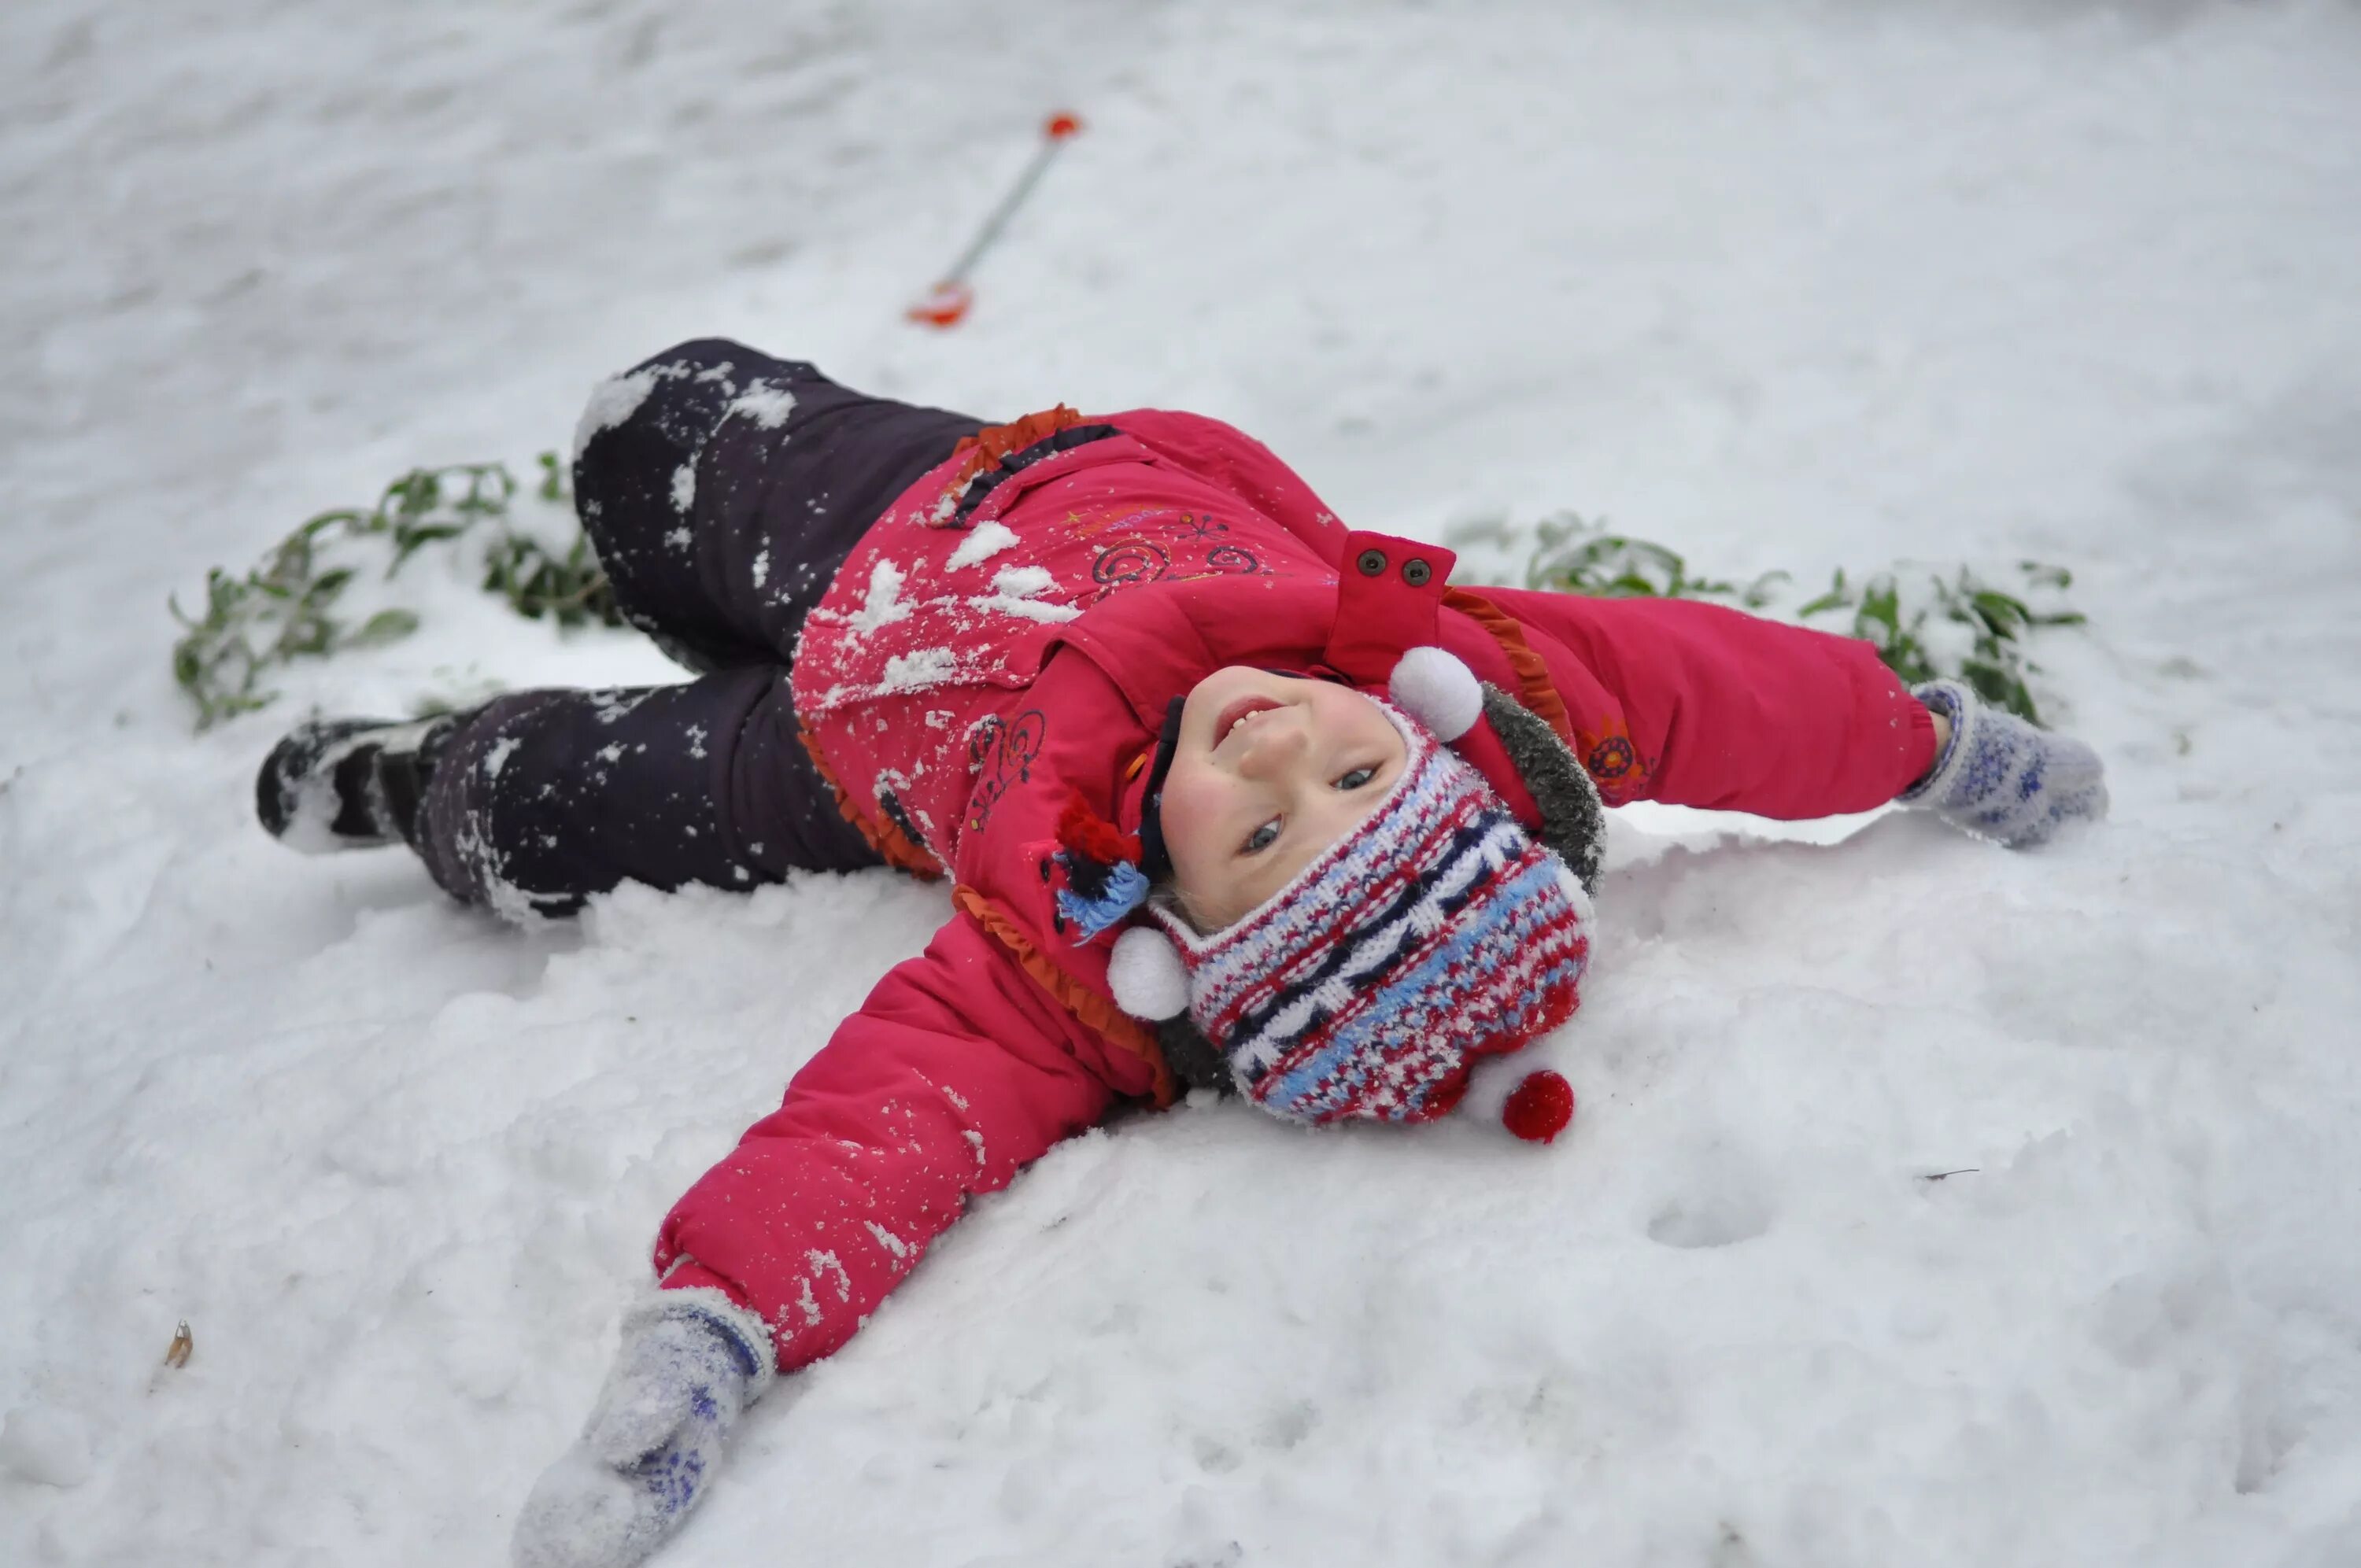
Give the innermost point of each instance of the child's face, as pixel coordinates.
(1267, 771)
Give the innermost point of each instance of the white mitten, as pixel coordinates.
(2001, 778)
(690, 1363)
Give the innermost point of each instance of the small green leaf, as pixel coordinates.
(385, 626)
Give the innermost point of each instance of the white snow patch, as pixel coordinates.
(684, 486)
(1025, 609)
(614, 706)
(761, 567)
(497, 755)
(1024, 582)
(822, 1261)
(984, 541)
(1012, 595)
(917, 670)
(882, 605)
(766, 405)
(616, 399)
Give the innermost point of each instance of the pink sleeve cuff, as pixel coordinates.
(1918, 747)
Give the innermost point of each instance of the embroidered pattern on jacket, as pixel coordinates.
(1002, 753)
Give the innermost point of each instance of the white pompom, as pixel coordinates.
(1432, 686)
(1145, 975)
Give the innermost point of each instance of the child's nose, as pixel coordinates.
(1276, 742)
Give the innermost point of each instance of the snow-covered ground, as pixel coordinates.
(1784, 285)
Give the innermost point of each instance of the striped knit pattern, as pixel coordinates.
(1433, 934)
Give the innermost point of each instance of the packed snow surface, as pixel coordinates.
(1927, 1203)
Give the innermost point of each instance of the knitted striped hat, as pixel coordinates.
(1433, 938)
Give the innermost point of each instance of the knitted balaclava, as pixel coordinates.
(1434, 937)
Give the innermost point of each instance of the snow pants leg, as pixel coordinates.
(722, 489)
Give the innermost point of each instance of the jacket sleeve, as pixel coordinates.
(1711, 707)
(957, 1071)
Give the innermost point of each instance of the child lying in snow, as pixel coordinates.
(1226, 794)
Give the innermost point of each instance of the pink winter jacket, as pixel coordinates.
(1009, 635)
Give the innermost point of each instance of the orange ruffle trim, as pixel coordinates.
(1534, 689)
(883, 836)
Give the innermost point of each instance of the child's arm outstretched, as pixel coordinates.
(1697, 704)
(957, 1071)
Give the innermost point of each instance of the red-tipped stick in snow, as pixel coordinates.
(948, 304)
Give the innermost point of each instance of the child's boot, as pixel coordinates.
(349, 784)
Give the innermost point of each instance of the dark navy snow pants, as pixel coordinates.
(721, 489)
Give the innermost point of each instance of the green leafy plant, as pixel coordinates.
(1926, 624)
(287, 606)
(1889, 613)
(1580, 557)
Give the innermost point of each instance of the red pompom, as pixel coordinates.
(1539, 1107)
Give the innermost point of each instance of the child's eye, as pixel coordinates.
(1356, 778)
(1262, 838)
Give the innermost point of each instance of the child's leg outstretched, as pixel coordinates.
(542, 798)
(721, 489)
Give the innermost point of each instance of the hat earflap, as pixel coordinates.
(1574, 817)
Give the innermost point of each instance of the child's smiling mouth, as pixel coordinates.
(1234, 716)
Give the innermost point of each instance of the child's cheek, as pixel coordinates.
(1191, 804)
